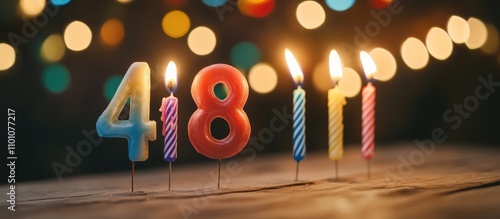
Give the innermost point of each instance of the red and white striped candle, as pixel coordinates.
(368, 109)
(368, 121)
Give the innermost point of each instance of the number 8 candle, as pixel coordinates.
(368, 110)
(169, 116)
(299, 110)
(211, 107)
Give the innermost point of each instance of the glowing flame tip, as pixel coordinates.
(294, 67)
(335, 65)
(368, 64)
(171, 77)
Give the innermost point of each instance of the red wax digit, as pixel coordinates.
(211, 107)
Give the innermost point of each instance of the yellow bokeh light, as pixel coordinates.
(492, 43)
(202, 40)
(350, 84)
(310, 14)
(32, 7)
(7, 56)
(53, 48)
(478, 33)
(458, 29)
(439, 43)
(124, 1)
(385, 62)
(321, 77)
(112, 32)
(414, 53)
(77, 36)
(176, 24)
(262, 78)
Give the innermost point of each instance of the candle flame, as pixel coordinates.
(336, 71)
(171, 77)
(368, 64)
(294, 67)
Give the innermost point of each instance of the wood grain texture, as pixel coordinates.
(452, 182)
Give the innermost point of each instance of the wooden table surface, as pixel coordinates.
(454, 181)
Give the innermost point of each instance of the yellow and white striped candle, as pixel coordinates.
(336, 102)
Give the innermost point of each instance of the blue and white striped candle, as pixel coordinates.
(169, 118)
(299, 111)
(299, 124)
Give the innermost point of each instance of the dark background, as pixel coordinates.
(409, 106)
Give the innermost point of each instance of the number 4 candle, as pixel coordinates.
(368, 110)
(169, 116)
(299, 110)
(138, 129)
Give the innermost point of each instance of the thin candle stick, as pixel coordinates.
(218, 176)
(169, 174)
(132, 183)
(297, 172)
(336, 169)
(369, 170)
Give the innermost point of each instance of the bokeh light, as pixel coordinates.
(321, 77)
(490, 47)
(350, 84)
(310, 14)
(111, 85)
(380, 4)
(77, 36)
(340, 5)
(60, 2)
(214, 3)
(414, 53)
(458, 29)
(56, 78)
(124, 1)
(256, 8)
(32, 7)
(385, 62)
(478, 33)
(262, 78)
(112, 32)
(244, 55)
(53, 48)
(176, 24)
(439, 43)
(202, 40)
(7, 56)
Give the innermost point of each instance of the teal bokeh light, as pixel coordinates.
(214, 3)
(56, 78)
(221, 91)
(59, 2)
(111, 85)
(244, 55)
(340, 5)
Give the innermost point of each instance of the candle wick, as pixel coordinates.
(170, 87)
